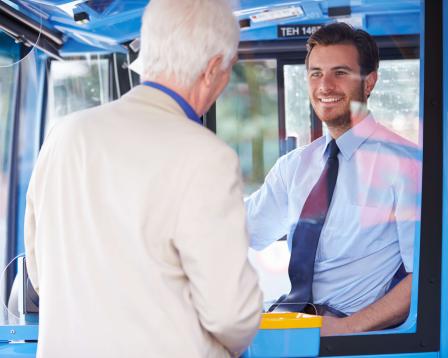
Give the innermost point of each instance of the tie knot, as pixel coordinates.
(333, 149)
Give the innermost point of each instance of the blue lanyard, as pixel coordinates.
(188, 110)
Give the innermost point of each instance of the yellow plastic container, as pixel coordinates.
(289, 320)
(284, 335)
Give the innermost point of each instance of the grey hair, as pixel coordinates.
(178, 38)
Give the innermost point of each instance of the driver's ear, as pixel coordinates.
(369, 83)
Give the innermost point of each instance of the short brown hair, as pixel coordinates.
(342, 33)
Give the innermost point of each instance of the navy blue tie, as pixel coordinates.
(306, 237)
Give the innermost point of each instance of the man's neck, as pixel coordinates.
(186, 93)
(336, 132)
(172, 86)
(343, 126)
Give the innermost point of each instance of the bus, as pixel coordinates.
(61, 56)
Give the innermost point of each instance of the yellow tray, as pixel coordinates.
(289, 320)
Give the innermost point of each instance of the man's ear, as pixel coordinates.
(212, 69)
(369, 83)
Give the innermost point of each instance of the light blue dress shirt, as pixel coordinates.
(370, 227)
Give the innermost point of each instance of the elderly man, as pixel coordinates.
(135, 231)
(348, 201)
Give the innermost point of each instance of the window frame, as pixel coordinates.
(11, 237)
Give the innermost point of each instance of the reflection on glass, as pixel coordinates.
(6, 125)
(246, 119)
(395, 99)
(297, 107)
(75, 85)
(271, 265)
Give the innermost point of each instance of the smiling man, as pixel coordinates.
(347, 201)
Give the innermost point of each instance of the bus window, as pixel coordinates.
(7, 88)
(76, 84)
(248, 109)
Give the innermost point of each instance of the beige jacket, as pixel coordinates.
(135, 236)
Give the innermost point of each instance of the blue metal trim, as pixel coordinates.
(401, 355)
(75, 48)
(376, 24)
(337, 3)
(120, 21)
(18, 350)
(444, 280)
(28, 332)
(279, 343)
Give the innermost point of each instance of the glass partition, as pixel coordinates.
(76, 84)
(394, 103)
(377, 195)
(247, 118)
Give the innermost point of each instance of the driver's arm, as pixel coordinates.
(391, 309)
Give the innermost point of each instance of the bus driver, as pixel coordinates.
(347, 201)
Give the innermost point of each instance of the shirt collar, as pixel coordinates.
(188, 110)
(351, 140)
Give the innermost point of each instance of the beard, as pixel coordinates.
(344, 121)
